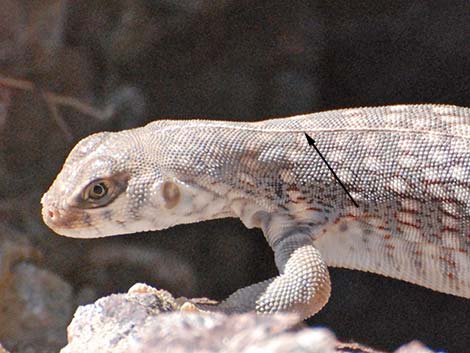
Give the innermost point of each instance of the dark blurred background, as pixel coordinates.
(70, 68)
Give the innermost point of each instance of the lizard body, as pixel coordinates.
(406, 166)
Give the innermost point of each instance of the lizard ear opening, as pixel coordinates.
(171, 194)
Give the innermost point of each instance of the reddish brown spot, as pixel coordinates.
(409, 224)
(387, 236)
(448, 261)
(350, 215)
(301, 198)
(450, 275)
(450, 229)
(389, 246)
(314, 209)
(410, 211)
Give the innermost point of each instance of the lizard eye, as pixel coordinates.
(101, 192)
(96, 190)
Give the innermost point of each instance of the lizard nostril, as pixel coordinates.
(53, 213)
(57, 218)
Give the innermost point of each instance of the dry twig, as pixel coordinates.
(54, 101)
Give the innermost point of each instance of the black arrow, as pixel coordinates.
(311, 142)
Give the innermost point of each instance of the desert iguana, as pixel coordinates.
(406, 166)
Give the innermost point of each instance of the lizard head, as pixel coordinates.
(107, 186)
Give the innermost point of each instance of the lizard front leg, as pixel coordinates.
(303, 285)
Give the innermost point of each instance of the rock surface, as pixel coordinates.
(145, 320)
(35, 304)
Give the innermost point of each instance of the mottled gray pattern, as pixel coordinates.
(407, 167)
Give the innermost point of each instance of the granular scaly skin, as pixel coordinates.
(406, 166)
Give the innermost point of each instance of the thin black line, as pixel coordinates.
(311, 142)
